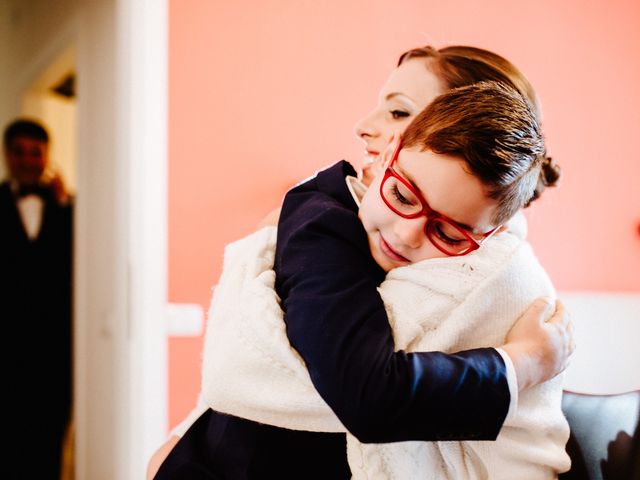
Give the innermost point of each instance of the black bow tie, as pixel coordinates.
(24, 190)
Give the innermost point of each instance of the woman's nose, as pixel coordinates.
(366, 127)
(411, 231)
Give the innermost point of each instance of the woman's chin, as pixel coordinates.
(370, 171)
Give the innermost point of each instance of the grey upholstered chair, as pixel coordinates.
(605, 437)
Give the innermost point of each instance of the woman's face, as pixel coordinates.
(448, 188)
(409, 89)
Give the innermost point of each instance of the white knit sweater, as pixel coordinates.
(447, 304)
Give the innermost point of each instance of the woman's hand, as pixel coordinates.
(160, 455)
(271, 219)
(539, 347)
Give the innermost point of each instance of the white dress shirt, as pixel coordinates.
(30, 208)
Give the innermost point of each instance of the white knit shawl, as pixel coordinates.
(447, 304)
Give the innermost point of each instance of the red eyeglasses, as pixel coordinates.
(404, 200)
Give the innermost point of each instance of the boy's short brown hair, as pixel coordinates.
(495, 131)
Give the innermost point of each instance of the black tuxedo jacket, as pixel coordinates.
(35, 306)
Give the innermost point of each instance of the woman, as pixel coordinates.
(421, 75)
(406, 74)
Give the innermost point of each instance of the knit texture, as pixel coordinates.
(447, 304)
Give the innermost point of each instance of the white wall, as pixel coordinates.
(5, 102)
(58, 114)
(32, 34)
(607, 332)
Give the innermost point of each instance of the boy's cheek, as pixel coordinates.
(362, 215)
(367, 210)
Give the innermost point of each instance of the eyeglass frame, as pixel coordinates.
(427, 211)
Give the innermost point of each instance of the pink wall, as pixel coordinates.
(264, 93)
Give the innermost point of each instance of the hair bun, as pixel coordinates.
(550, 172)
(549, 176)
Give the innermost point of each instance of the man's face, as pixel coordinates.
(27, 159)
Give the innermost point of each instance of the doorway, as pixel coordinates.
(51, 100)
(119, 53)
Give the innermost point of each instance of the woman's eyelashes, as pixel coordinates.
(397, 114)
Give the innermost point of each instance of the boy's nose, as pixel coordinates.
(411, 232)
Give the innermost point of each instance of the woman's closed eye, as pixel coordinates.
(399, 114)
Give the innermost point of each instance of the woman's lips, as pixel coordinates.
(390, 252)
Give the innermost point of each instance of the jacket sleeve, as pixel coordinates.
(337, 322)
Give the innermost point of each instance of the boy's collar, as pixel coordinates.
(356, 188)
(331, 181)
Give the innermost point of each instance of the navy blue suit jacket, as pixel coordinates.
(327, 279)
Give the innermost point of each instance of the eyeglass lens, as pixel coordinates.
(445, 235)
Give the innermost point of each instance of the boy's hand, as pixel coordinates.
(540, 348)
(160, 455)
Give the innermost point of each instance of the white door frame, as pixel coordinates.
(121, 231)
(144, 77)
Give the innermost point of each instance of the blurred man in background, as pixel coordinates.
(35, 304)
